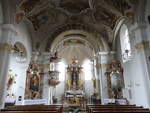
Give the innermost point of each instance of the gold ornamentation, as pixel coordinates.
(10, 80)
(6, 47)
(144, 45)
(102, 65)
(45, 65)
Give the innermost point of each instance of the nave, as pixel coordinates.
(74, 56)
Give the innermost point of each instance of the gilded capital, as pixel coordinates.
(6, 47)
(143, 45)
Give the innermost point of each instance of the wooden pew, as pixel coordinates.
(57, 108)
(131, 110)
(28, 111)
(115, 109)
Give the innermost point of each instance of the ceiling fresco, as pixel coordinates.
(74, 6)
(48, 16)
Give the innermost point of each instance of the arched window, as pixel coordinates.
(125, 43)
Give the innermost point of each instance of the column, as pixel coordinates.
(46, 87)
(7, 34)
(96, 74)
(104, 58)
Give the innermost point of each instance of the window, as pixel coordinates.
(125, 43)
(87, 69)
(62, 70)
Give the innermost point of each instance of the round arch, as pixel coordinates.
(100, 42)
(96, 43)
(119, 23)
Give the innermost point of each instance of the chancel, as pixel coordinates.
(61, 56)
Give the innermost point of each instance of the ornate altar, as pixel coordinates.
(115, 80)
(74, 94)
(75, 98)
(74, 77)
(34, 82)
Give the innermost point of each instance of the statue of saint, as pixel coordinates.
(34, 85)
(34, 81)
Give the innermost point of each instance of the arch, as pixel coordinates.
(100, 42)
(96, 43)
(119, 23)
(60, 40)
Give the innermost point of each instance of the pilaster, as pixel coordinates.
(7, 34)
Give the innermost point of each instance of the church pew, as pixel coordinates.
(28, 112)
(111, 105)
(58, 108)
(121, 110)
(115, 108)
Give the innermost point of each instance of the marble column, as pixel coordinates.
(7, 34)
(104, 58)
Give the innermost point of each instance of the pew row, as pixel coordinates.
(115, 109)
(34, 108)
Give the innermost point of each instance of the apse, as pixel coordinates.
(75, 67)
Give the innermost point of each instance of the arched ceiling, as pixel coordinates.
(74, 44)
(74, 51)
(46, 16)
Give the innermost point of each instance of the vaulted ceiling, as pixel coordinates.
(51, 17)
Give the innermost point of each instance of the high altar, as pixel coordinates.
(74, 94)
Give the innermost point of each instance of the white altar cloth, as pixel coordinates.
(35, 102)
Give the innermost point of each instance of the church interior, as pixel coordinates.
(74, 56)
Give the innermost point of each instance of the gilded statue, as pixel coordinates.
(10, 80)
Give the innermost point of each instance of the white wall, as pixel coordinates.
(135, 87)
(17, 68)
